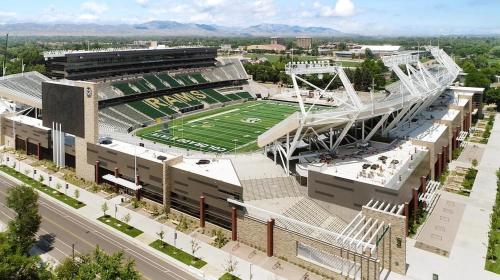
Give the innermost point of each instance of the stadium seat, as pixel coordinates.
(141, 85)
(171, 81)
(244, 95)
(146, 109)
(199, 78)
(125, 88)
(233, 96)
(185, 79)
(215, 95)
(155, 81)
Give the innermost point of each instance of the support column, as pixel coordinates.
(423, 184)
(447, 149)
(96, 166)
(202, 211)
(38, 152)
(469, 122)
(453, 139)
(270, 236)
(117, 175)
(234, 224)
(26, 145)
(415, 204)
(407, 215)
(440, 165)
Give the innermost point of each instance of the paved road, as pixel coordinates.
(61, 228)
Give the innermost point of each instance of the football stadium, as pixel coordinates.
(326, 178)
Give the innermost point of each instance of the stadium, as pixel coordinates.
(327, 177)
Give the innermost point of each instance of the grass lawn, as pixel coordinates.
(494, 60)
(178, 254)
(43, 188)
(228, 276)
(224, 129)
(493, 252)
(119, 225)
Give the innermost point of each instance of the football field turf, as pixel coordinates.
(221, 130)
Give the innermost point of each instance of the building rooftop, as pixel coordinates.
(381, 47)
(467, 89)
(385, 165)
(28, 121)
(61, 53)
(136, 150)
(422, 130)
(440, 113)
(218, 169)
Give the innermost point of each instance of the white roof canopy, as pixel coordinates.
(122, 182)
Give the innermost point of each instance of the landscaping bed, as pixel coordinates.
(43, 188)
(493, 252)
(468, 181)
(119, 225)
(178, 254)
(228, 276)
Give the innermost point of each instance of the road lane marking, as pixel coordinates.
(45, 202)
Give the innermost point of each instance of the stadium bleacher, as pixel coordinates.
(143, 111)
(215, 95)
(130, 114)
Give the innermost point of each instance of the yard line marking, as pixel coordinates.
(211, 116)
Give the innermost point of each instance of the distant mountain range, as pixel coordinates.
(164, 28)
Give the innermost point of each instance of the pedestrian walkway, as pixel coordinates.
(217, 259)
(468, 252)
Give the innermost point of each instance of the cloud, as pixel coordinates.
(342, 8)
(94, 7)
(265, 8)
(211, 3)
(143, 3)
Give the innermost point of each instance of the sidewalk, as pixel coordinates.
(468, 252)
(217, 259)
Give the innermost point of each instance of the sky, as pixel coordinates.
(364, 17)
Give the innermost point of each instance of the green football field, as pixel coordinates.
(221, 130)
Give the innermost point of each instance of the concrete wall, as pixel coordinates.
(187, 187)
(354, 194)
(253, 232)
(82, 167)
(393, 256)
(434, 149)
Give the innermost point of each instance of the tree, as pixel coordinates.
(77, 194)
(126, 218)
(104, 208)
(15, 261)
(161, 235)
(24, 201)
(369, 54)
(477, 79)
(195, 246)
(231, 264)
(495, 51)
(17, 266)
(97, 265)
(492, 95)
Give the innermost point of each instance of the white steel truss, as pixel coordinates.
(418, 87)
